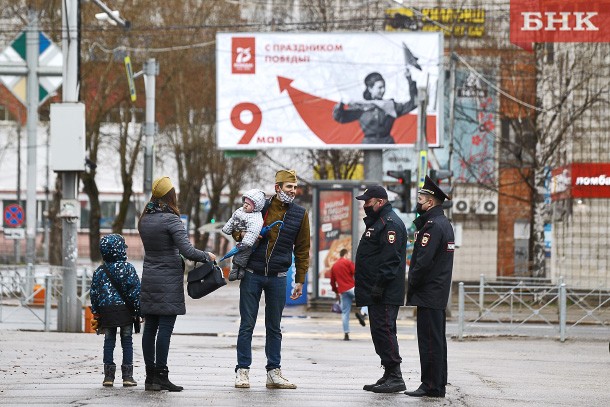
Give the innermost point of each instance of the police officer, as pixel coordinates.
(380, 282)
(428, 287)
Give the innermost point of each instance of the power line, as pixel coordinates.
(500, 91)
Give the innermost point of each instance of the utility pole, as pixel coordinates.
(452, 62)
(151, 70)
(70, 308)
(422, 142)
(31, 53)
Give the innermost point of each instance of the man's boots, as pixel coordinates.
(393, 383)
(149, 383)
(127, 371)
(369, 387)
(109, 371)
(162, 380)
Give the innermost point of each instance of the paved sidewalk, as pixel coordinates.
(38, 368)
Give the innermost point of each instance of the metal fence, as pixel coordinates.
(35, 289)
(519, 306)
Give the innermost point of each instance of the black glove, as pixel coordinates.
(377, 294)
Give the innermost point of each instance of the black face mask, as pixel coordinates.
(419, 209)
(369, 210)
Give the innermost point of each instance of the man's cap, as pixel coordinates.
(376, 191)
(161, 186)
(431, 188)
(285, 176)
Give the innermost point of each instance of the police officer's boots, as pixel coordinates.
(369, 387)
(393, 383)
(109, 371)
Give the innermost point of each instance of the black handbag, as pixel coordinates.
(136, 319)
(204, 279)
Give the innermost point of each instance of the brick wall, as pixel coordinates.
(510, 209)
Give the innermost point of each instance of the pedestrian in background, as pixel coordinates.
(428, 287)
(342, 283)
(266, 272)
(380, 282)
(164, 238)
(115, 302)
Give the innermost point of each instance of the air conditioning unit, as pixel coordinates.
(460, 205)
(488, 206)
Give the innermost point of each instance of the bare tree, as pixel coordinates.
(534, 130)
(128, 149)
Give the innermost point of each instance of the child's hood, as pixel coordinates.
(258, 197)
(113, 248)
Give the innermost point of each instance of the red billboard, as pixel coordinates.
(559, 21)
(581, 180)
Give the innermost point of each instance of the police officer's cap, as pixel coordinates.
(376, 191)
(431, 188)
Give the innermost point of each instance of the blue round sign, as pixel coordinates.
(13, 215)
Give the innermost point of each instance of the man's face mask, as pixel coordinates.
(284, 197)
(370, 210)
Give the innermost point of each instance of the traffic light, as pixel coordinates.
(403, 188)
(438, 176)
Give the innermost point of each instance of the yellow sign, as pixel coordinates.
(132, 86)
(422, 168)
(468, 22)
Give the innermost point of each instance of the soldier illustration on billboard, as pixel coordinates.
(376, 115)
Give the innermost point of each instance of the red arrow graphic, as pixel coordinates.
(317, 113)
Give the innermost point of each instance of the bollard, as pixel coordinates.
(48, 281)
(461, 311)
(562, 312)
(39, 294)
(481, 295)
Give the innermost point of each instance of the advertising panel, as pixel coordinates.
(334, 233)
(326, 90)
(581, 180)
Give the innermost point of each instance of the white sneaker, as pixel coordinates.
(242, 380)
(275, 380)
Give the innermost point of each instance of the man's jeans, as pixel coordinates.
(156, 337)
(346, 307)
(250, 290)
(126, 344)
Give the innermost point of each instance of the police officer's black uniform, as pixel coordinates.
(428, 288)
(380, 284)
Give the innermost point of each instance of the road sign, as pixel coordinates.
(14, 234)
(13, 216)
(50, 56)
(132, 86)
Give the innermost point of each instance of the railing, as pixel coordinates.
(21, 288)
(514, 305)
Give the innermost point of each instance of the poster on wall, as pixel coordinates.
(334, 234)
(326, 90)
(475, 133)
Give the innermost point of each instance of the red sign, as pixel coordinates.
(581, 180)
(243, 55)
(13, 216)
(559, 21)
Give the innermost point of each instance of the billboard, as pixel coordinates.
(334, 233)
(581, 180)
(326, 90)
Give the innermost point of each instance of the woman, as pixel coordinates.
(162, 294)
(376, 116)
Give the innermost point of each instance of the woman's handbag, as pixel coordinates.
(336, 307)
(204, 279)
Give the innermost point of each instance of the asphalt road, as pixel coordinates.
(38, 368)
